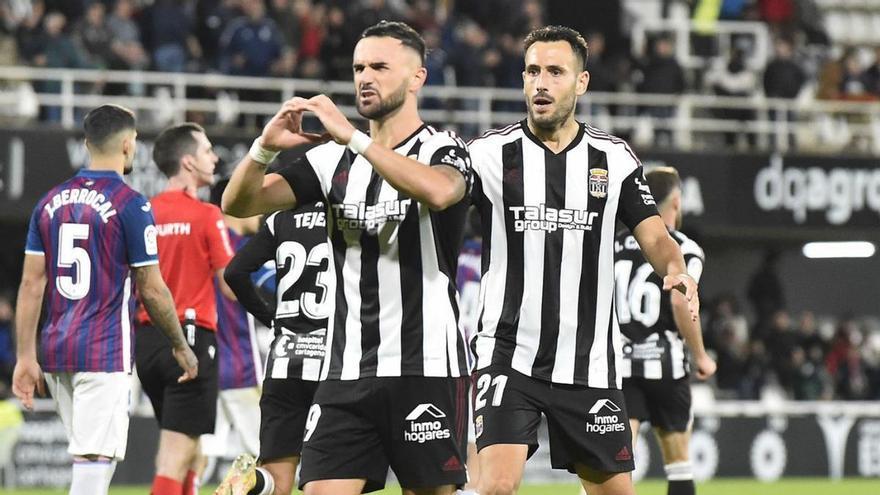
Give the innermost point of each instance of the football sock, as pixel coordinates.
(191, 483)
(91, 477)
(265, 484)
(166, 486)
(680, 478)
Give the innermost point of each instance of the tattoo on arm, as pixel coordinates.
(159, 304)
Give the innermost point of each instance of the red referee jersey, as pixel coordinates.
(193, 245)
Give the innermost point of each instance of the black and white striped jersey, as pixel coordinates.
(395, 307)
(548, 224)
(652, 346)
(295, 241)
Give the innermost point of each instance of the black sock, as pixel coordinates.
(681, 487)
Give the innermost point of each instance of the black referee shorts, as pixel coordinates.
(191, 407)
(587, 426)
(416, 425)
(666, 404)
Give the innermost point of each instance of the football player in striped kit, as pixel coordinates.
(655, 368)
(296, 242)
(394, 378)
(550, 191)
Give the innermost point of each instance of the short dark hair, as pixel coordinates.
(662, 181)
(172, 144)
(106, 121)
(548, 34)
(400, 31)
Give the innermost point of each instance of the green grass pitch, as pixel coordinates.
(794, 486)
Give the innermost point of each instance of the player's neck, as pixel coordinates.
(396, 127)
(100, 163)
(179, 183)
(557, 138)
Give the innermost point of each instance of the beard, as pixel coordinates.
(128, 167)
(564, 108)
(385, 106)
(679, 219)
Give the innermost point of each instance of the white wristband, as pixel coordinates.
(260, 154)
(359, 142)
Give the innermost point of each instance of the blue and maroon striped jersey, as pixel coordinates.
(90, 230)
(236, 339)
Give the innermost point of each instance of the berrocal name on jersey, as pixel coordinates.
(421, 431)
(547, 218)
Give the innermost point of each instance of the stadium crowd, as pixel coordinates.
(470, 43)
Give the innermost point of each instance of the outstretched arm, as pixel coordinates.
(665, 256)
(28, 376)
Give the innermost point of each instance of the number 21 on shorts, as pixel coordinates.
(483, 384)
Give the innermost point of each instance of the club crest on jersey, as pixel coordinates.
(598, 182)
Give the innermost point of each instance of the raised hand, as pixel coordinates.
(284, 130)
(338, 127)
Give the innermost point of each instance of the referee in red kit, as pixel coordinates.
(193, 251)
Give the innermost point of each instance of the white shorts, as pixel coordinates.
(94, 410)
(237, 409)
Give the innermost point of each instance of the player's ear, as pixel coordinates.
(418, 79)
(583, 81)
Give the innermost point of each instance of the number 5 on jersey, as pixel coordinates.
(70, 255)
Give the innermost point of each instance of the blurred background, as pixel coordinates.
(770, 109)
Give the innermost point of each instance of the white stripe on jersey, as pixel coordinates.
(434, 318)
(534, 192)
(390, 304)
(126, 325)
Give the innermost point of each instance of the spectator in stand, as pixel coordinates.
(214, 16)
(661, 73)
(731, 77)
(128, 52)
(336, 47)
(783, 77)
(732, 355)
(470, 60)
(765, 291)
(252, 45)
(286, 14)
(57, 50)
(809, 340)
(808, 381)
(92, 34)
(312, 26)
(30, 33)
(854, 82)
(370, 12)
(172, 36)
(780, 342)
(872, 74)
(844, 362)
(424, 17)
